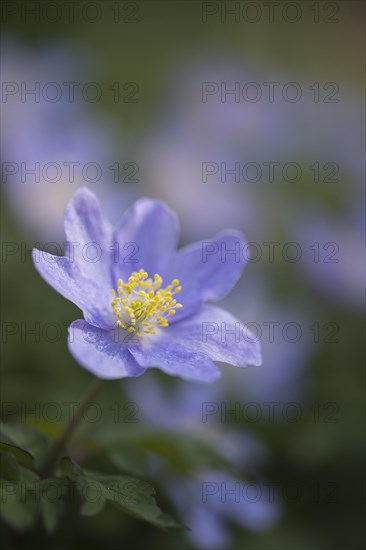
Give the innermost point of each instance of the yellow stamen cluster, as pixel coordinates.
(141, 304)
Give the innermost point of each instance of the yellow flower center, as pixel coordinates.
(141, 304)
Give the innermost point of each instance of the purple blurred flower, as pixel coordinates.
(215, 499)
(129, 332)
(209, 500)
(335, 259)
(203, 141)
(287, 344)
(50, 148)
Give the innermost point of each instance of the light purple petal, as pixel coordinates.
(65, 277)
(145, 238)
(101, 352)
(219, 335)
(207, 270)
(176, 357)
(84, 274)
(89, 235)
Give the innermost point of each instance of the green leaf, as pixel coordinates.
(9, 467)
(132, 496)
(24, 458)
(24, 496)
(52, 494)
(18, 498)
(26, 439)
(129, 459)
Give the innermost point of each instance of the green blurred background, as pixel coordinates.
(165, 51)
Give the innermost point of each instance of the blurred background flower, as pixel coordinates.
(52, 144)
(182, 408)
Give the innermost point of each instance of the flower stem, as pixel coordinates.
(56, 450)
